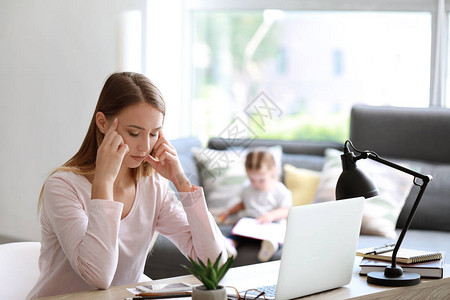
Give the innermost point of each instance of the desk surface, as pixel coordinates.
(266, 273)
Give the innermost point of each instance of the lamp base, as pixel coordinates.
(407, 279)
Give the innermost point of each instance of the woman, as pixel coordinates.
(101, 209)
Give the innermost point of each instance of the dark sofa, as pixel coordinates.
(417, 136)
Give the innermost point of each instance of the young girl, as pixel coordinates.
(101, 209)
(265, 198)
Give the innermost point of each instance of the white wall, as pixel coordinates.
(54, 58)
(167, 60)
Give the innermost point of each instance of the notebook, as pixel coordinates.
(319, 248)
(430, 269)
(404, 255)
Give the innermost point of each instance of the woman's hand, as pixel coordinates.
(166, 163)
(110, 156)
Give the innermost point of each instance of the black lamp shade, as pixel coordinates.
(353, 182)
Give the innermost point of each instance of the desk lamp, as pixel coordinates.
(354, 183)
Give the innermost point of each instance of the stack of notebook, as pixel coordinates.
(425, 263)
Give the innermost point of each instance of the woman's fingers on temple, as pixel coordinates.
(165, 157)
(162, 156)
(111, 132)
(163, 148)
(112, 137)
(117, 141)
(113, 126)
(161, 140)
(123, 149)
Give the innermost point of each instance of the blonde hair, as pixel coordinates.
(259, 159)
(121, 90)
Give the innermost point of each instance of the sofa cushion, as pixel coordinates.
(223, 174)
(302, 183)
(305, 161)
(380, 212)
(433, 211)
(183, 147)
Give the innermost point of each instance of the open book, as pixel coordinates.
(249, 227)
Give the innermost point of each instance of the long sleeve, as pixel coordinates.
(194, 230)
(86, 245)
(87, 235)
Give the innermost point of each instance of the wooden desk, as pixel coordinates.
(266, 273)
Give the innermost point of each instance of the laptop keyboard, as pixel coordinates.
(269, 292)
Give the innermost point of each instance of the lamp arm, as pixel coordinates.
(396, 166)
(425, 180)
(408, 223)
(372, 155)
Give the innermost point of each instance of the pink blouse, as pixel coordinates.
(85, 244)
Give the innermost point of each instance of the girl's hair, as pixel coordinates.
(121, 90)
(257, 160)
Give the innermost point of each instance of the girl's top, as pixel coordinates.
(86, 245)
(258, 202)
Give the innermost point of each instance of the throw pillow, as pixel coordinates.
(222, 174)
(380, 212)
(302, 183)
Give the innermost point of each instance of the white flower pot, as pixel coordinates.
(200, 292)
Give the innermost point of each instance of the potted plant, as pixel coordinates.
(210, 274)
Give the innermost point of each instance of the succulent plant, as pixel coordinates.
(210, 274)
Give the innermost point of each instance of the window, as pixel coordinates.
(313, 64)
(311, 59)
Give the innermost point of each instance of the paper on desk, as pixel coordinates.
(251, 228)
(134, 291)
(161, 287)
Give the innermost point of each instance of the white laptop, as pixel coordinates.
(319, 248)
